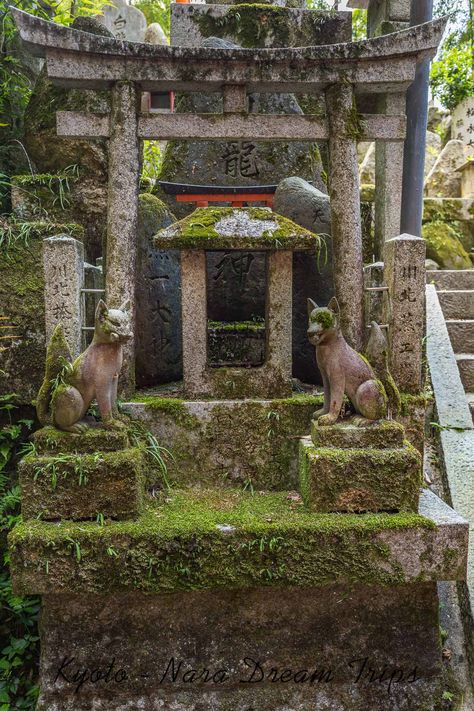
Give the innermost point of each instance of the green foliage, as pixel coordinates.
(156, 11)
(152, 159)
(359, 25)
(452, 74)
(18, 618)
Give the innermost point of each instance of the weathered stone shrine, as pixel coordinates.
(273, 561)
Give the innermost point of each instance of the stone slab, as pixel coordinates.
(252, 443)
(257, 26)
(465, 363)
(359, 480)
(461, 333)
(50, 441)
(382, 435)
(451, 278)
(63, 266)
(451, 405)
(81, 486)
(456, 303)
(216, 539)
(124, 21)
(155, 639)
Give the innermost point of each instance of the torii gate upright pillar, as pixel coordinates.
(122, 212)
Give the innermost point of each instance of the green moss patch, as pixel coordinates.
(203, 230)
(50, 440)
(444, 246)
(383, 434)
(355, 480)
(248, 443)
(82, 486)
(206, 539)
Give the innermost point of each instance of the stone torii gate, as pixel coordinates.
(384, 66)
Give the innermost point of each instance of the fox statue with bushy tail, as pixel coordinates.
(70, 387)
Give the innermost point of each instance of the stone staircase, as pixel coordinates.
(456, 296)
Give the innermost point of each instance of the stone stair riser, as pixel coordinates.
(457, 304)
(451, 279)
(461, 333)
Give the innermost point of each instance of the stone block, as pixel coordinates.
(257, 25)
(249, 443)
(236, 344)
(405, 278)
(22, 307)
(214, 539)
(81, 486)
(158, 355)
(63, 264)
(50, 441)
(359, 480)
(382, 435)
(276, 649)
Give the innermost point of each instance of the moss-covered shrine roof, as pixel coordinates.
(256, 228)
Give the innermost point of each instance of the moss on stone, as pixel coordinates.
(367, 192)
(263, 25)
(22, 303)
(237, 326)
(208, 539)
(362, 479)
(50, 440)
(81, 486)
(324, 316)
(200, 230)
(443, 245)
(251, 443)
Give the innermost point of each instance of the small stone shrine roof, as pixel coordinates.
(258, 228)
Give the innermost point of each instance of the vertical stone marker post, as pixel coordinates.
(63, 264)
(122, 220)
(345, 213)
(388, 178)
(405, 278)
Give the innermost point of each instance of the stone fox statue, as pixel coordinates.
(344, 371)
(69, 387)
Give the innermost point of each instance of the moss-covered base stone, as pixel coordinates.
(355, 480)
(229, 539)
(257, 652)
(248, 443)
(82, 486)
(50, 440)
(383, 434)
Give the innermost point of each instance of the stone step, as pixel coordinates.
(465, 363)
(79, 487)
(359, 480)
(457, 304)
(470, 402)
(49, 440)
(461, 333)
(384, 435)
(451, 278)
(210, 539)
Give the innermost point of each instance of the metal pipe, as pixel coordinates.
(415, 142)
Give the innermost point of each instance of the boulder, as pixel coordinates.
(301, 202)
(444, 180)
(433, 149)
(158, 356)
(444, 247)
(155, 34)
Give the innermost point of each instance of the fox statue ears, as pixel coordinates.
(332, 306)
(102, 309)
(311, 305)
